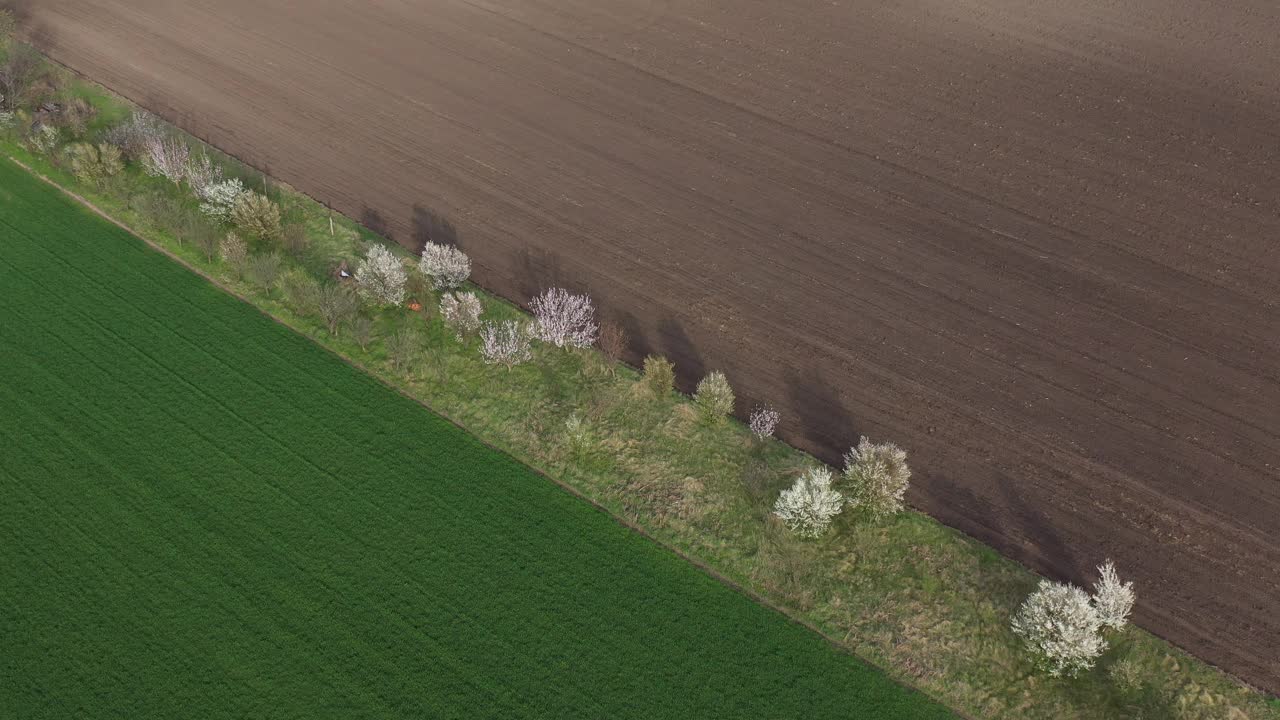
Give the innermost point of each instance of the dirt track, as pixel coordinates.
(1036, 243)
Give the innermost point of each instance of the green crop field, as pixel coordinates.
(206, 515)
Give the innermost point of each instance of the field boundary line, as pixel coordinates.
(701, 565)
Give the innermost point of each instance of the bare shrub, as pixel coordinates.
(18, 72)
(613, 341)
(362, 330)
(564, 319)
(659, 375)
(204, 237)
(335, 305)
(714, 396)
(264, 269)
(162, 210)
(402, 349)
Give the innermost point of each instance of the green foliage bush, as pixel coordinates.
(659, 375)
(95, 164)
(300, 291)
(256, 216)
(875, 479)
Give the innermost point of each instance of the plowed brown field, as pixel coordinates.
(1035, 242)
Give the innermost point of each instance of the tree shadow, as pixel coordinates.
(39, 35)
(427, 225)
(536, 270)
(1055, 555)
(823, 422)
(20, 9)
(680, 349)
(374, 222)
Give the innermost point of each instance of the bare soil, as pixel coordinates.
(1035, 242)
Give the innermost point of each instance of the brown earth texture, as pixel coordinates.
(1035, 242)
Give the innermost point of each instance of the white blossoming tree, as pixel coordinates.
(808, 506)
(380, 279)
(134, 136)
(1061, 628)
(564, 319)
(461, 311)
(764, 420)
(217, 199)
(202, 174)
(505, 343)
(447, 266)
(876, 478)
(166, 156)
(1112, 599)
(45, 139)
(714, 396)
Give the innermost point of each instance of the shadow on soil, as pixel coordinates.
(681, 350)
(427, 225)
(822, 423)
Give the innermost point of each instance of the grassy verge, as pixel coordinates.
(928, 604)
(206, 514)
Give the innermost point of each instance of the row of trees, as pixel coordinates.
(1063, 626)
(874, 482)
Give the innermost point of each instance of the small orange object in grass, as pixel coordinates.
(415, 306)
